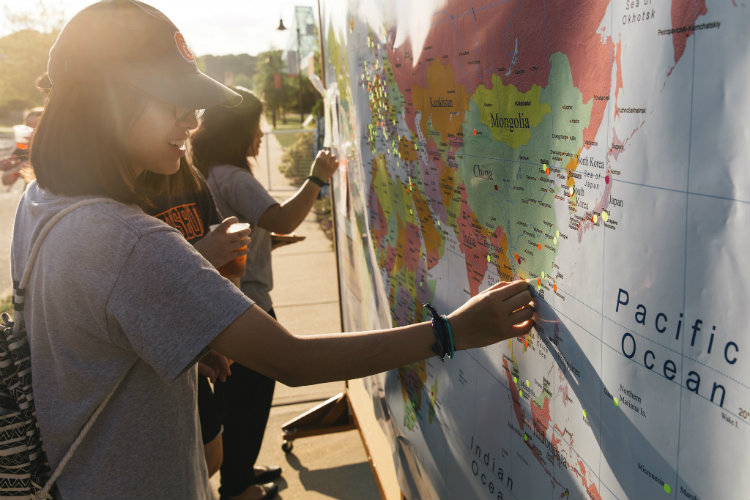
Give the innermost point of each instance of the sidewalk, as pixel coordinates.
(305, 298)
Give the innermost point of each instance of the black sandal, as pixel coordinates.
(271, 473)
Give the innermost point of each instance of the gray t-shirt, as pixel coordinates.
(237, 192)
(113, 288)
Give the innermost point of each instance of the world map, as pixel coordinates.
(598, 150)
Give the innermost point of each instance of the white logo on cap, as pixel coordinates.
(183, 48)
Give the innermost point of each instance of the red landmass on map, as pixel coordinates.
(541, 417)
(378, 224)
(590, 487)
(514, 39)
(413, 245)
(432, 236)
(684, 14)
(475, 240)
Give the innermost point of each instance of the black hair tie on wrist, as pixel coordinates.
(317, 180)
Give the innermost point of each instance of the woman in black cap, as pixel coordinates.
(118, 295)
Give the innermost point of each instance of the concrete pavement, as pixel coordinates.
(9, 197)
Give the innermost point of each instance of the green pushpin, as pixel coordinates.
(528, 384)
(617, 403)
(525, 437)
(667, 488)
(520, 393)
(584, 413)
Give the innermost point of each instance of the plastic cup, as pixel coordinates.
(235, 268)
(22, 135)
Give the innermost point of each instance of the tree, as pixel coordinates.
(23, 57)
(38, 15)
(243, 80)
(269, 81)
(227, 68)
(24, 53)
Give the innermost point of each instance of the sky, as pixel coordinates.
(210, 26)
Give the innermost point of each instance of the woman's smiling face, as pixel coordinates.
(157, 139)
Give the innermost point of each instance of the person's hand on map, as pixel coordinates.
(324, 165)
(501, 312)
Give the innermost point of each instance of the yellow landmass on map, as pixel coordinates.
(444, 101)
(511, 115)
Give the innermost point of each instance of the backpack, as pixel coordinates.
(23, 463)
(24, 470)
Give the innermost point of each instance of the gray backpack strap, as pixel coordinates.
(20, 292)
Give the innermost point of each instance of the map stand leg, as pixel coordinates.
(333, 415)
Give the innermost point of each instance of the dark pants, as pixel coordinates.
(245, 403)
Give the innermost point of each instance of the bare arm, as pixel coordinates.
(257, 341)
(286, 217)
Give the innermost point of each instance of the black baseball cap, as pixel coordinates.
(129, 41)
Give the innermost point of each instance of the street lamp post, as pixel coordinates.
(299, 63)
(299, 74)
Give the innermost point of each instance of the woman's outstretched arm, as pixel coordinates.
(257, 341)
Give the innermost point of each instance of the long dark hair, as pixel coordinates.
(225, 134)
(79, 147)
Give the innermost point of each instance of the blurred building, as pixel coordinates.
(306, 32)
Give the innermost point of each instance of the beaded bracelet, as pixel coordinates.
(450, 336)
(443, 335)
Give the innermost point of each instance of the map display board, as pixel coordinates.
(599, 149)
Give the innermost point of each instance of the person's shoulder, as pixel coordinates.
(233, 177)
(230, 171)
(118, 223)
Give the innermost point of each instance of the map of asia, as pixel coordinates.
(601, 151)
